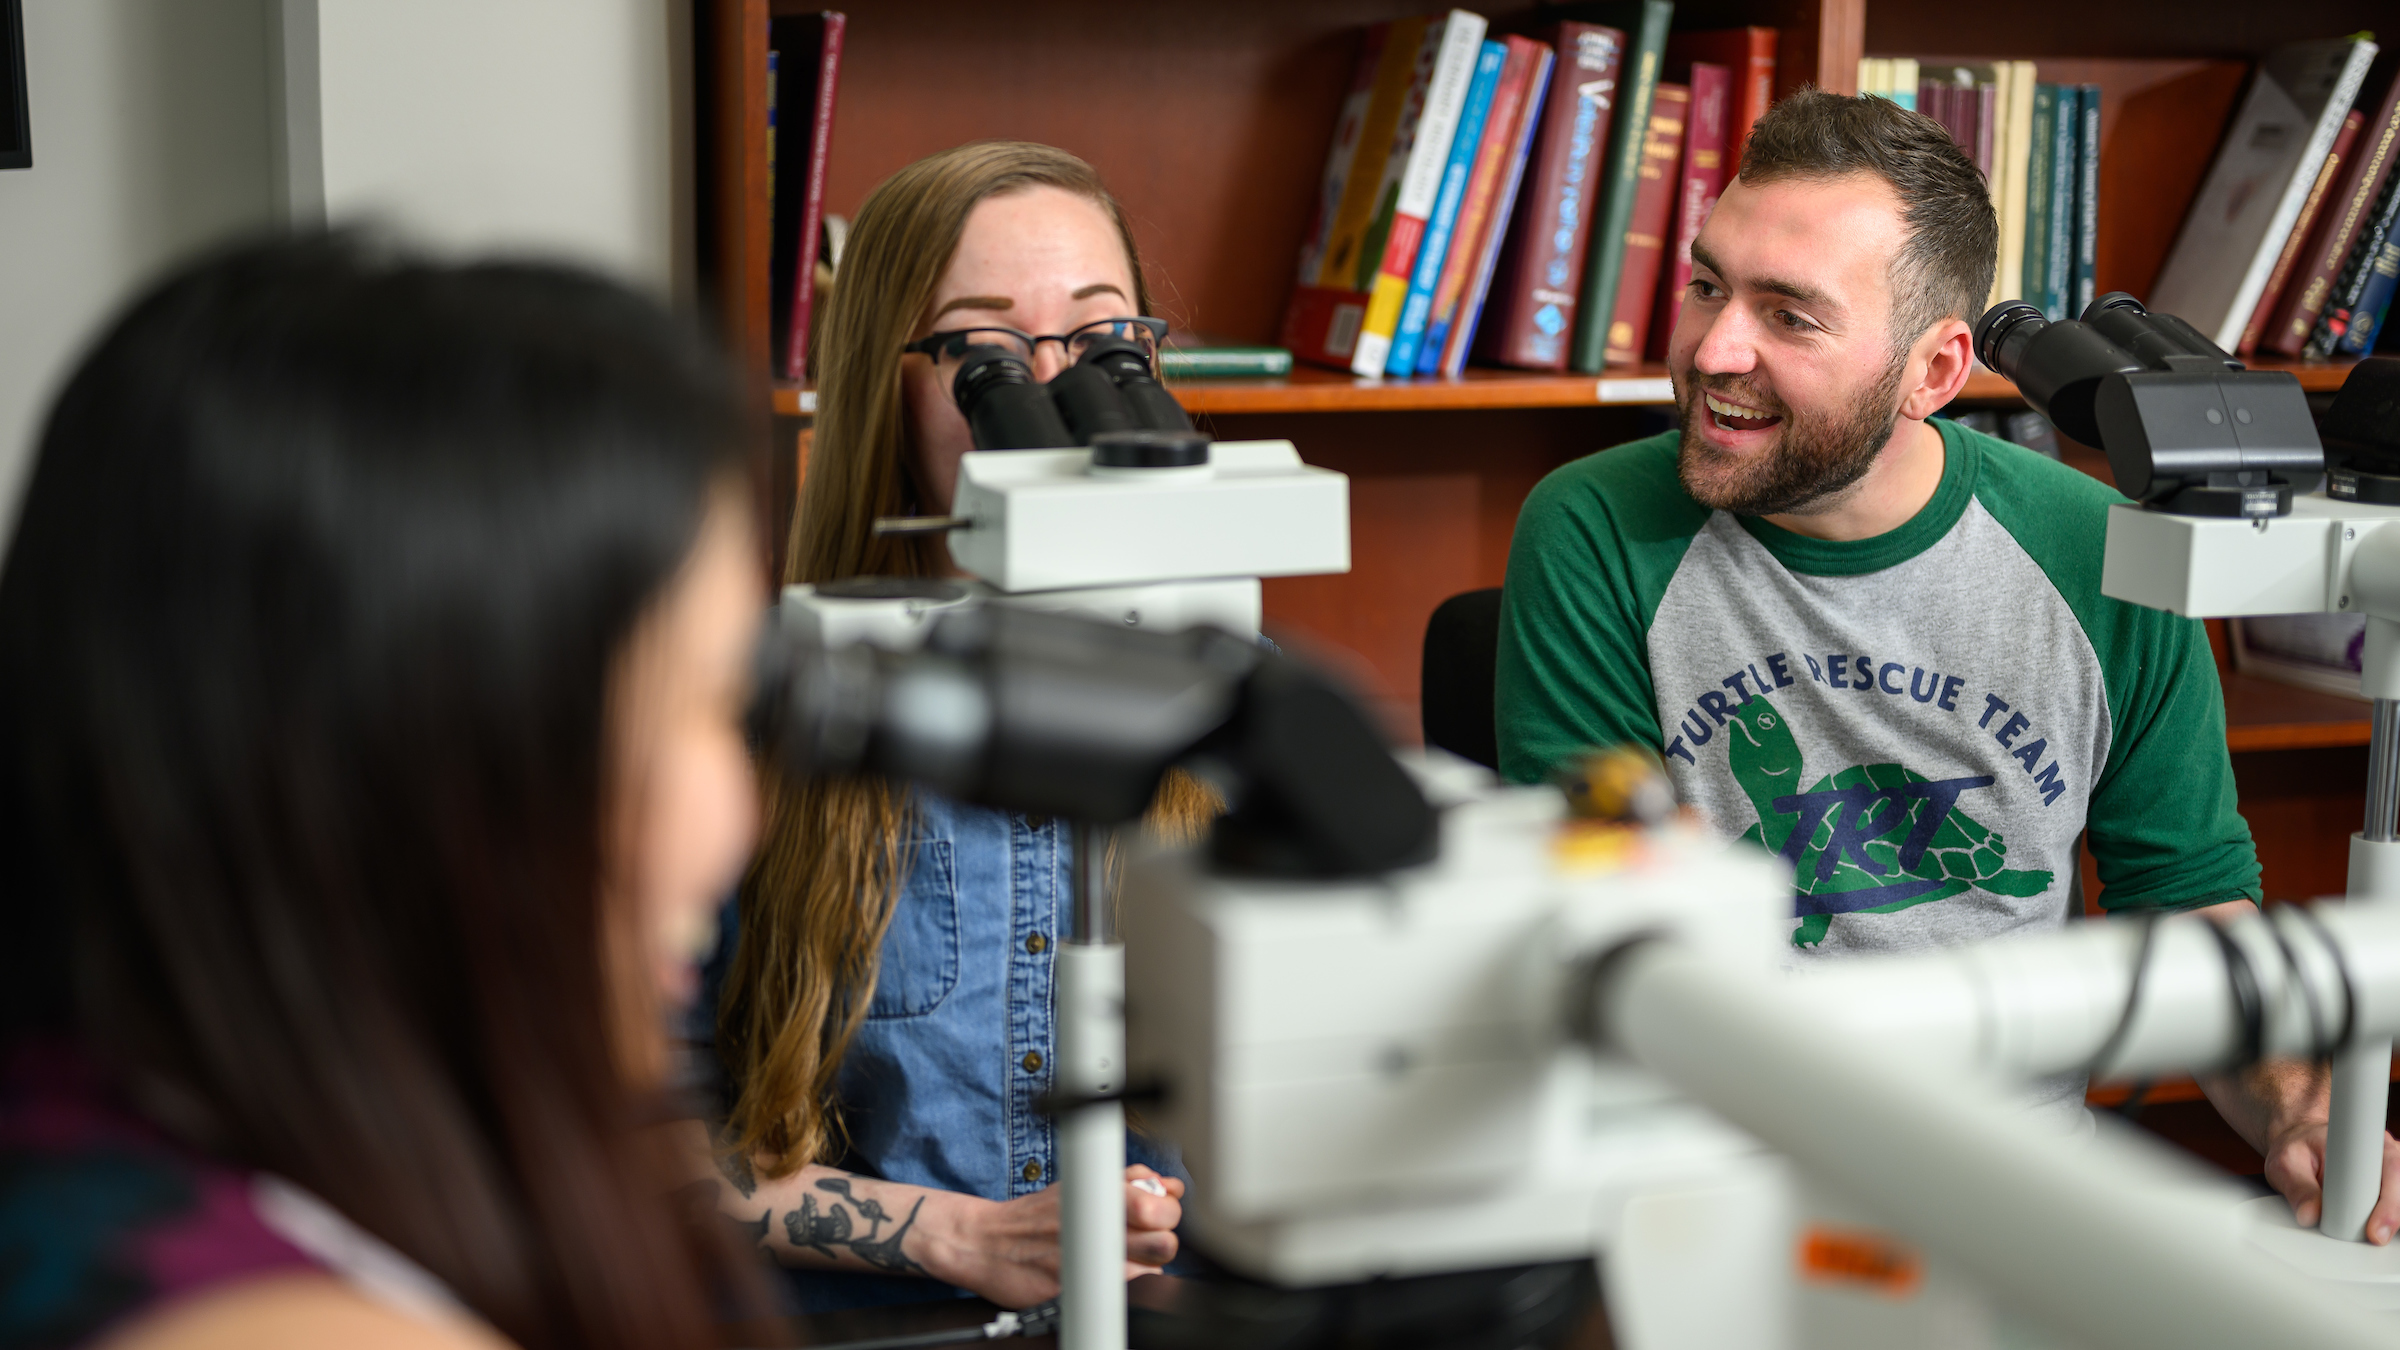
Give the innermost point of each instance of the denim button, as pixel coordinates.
(1036, 822)
(1033, 1170)
(1036, 943)
(1032, 1061)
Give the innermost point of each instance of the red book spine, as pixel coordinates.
(1645, 233)
(1703, 178)
(2279, 280)
(1750, 54)
(811, 214)
(1985, 118)
(1540, 273)
(2339, 220)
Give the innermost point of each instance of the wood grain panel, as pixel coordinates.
(2135, 28)
(1210, 122)
(1434, 499)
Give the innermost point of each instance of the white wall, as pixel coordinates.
(161, 126)
(150, 139)
(517, 125)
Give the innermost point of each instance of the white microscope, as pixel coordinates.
(1396, 1044)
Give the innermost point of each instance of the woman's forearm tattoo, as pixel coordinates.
(853, 1223)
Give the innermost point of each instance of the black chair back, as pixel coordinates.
(1462, 648)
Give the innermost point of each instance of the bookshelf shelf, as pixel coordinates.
(1308, 390)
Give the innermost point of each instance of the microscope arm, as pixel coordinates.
(2088, 1239)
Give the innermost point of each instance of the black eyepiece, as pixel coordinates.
(2008, 319)
(1004, 405)
(1149, 450)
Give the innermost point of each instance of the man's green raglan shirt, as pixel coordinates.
(1922, 722)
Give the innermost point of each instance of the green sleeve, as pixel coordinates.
(2164, 825)
(1595, 547)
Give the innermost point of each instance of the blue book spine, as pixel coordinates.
(2087, 201)
(1402, 360)
(2374, 303)
(1503, 213)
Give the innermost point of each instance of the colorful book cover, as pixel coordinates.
(1539, 279)
(1400, 222)
(1645, 24)
(1529, 116)
(1702, 177)
(2375, 303)
(1645, 234)
(1329, 302)
(2358, 272)
(1433, 254)
(1499, 145)
(2279, 280)
(807, 73)
(2087, 200)
(2252, 193)
(1342, 157)
(1419, 185)
(1750, 54)
(2339, 223)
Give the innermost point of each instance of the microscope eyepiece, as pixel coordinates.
(2185, 427)
(1005, 406)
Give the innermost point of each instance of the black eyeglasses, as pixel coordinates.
(952, 344)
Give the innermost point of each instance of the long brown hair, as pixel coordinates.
(306, 643)
(820, 896)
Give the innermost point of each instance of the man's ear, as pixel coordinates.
(1945, 355)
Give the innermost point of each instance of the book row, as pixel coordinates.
(1527, 199)
(2037, 145)
(2292, 245)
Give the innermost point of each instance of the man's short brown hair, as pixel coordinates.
(1945, 268)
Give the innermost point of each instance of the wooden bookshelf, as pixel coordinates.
(1309, 390)
(1210, 123)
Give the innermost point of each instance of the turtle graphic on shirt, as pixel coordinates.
(1871, 838)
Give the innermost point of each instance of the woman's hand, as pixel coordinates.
(1007, 1250)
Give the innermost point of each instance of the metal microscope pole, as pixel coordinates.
(2362, 1074)
(1091, 1138)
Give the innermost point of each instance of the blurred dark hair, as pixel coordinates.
(304, 642)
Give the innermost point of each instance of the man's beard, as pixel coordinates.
(1817, 455)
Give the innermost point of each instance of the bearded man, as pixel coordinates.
(1871, 640)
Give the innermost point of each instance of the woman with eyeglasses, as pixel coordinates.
(886, 1022)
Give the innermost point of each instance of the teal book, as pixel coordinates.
(1435, 251)
(1644, 24)
(2033, 281)
(2058, 276)
(1200, 359)
(2087, 200)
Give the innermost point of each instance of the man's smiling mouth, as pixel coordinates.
(1735, 417)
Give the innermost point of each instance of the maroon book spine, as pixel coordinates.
(1703, 177)
(2279, 280)
(2339, 220)
(1531, 322)
(807, 218)
(1645, 234)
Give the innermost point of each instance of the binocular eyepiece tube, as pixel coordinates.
(2186, 427)
(1109, 391)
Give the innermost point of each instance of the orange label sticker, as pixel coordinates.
(1856, 1256)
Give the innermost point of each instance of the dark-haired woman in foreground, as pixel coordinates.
(372, 653)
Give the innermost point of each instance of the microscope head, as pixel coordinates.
(2187, 429)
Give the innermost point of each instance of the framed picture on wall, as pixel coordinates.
(16, 126)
